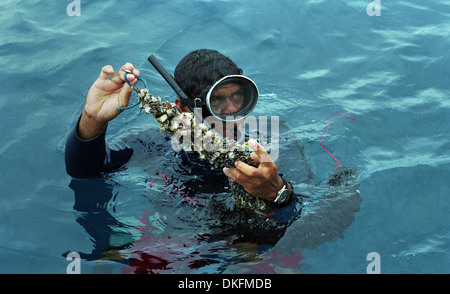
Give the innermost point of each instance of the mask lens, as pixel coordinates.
(231, 97)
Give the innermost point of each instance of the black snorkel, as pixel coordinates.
(185, 100)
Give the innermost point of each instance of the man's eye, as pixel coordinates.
(237, 96)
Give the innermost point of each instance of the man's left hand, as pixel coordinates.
(261, 180)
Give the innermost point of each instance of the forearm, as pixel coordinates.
(85, 158)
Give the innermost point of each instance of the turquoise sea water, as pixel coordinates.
(311, 60)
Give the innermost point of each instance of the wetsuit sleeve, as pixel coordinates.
(86, 159)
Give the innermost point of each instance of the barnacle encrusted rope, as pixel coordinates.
(194, 136)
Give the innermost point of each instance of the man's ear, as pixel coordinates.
(181, 107)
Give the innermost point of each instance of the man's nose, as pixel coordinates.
(229, 107)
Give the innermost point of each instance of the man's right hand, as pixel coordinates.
(104, 97)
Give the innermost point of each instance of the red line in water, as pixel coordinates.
(328, 127)
(178, 190)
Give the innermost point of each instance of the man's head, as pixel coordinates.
(201, 69)
(213, 77)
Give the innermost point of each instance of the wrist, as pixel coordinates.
(89, 127)
(278, 186)
(284, 195)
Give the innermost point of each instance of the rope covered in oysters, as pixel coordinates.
(224, 152)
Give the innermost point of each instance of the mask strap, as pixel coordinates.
(198, 102)
(192, 103)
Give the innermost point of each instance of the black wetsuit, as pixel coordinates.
(92, 158)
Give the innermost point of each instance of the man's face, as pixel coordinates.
(227, 99)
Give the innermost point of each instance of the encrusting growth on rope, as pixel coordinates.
(192, 135)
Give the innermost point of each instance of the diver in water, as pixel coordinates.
(230, 95)
(212, 81)
(195, 73)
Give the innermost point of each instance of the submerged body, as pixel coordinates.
(93, 158)
(217, 229)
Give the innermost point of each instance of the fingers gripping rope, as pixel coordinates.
(328, 127)
(132, 87)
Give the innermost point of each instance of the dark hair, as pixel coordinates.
(201, 68)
